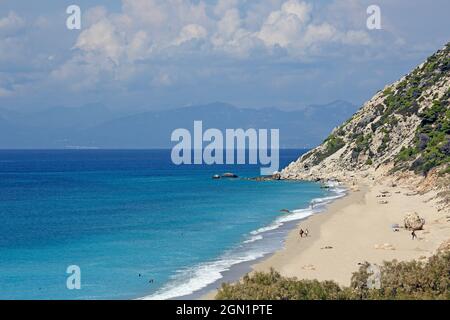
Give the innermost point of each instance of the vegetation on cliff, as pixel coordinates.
(406, 127)
(432, 140)
(333, 144)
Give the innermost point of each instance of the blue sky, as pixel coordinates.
(167, 53)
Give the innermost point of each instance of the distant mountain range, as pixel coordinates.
(96, 126)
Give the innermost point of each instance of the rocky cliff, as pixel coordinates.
(403, 131)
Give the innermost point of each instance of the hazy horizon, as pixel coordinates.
(96, 126)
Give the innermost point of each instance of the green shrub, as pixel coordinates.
(398, 280)
(333, 144)
(445, 171)
(433, 136)
(272, 286)
(388, 91)
(363, 143)
(406, 154)
(432, 141)
(407, 280)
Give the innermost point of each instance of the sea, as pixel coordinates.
(135, 225)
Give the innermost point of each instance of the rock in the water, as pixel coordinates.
(260, 178)
(413, 221)
(276, 176)
(229, 175)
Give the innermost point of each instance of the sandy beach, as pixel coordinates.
(358, 228)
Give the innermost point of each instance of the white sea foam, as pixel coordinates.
(270, 227)
(254, 238)
(190, 280)
(193, 279)
(296, 215)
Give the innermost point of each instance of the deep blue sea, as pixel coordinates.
(136, 225)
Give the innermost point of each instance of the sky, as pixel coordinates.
(157, 54)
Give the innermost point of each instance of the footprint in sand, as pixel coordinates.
(309, 267)
(385, 246)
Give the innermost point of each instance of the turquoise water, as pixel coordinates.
(135, 224)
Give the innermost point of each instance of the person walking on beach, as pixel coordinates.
(301, 232)
(306, 233)
(413, 235)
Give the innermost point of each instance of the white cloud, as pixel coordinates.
(12, 41)
(229, 24)
(223, 6)
(296, 28)
(231, 37)
(95, 14)
(103, 39)
(319, 33)
(356, 37)
(11, 24)
(149, 12)
(150, 27)
(163, 16)
(148, 30)
(84, 72)
(284, 27)
(301, 10)
(138, 46)
(208, 49)
(190, 32)
(346, 14)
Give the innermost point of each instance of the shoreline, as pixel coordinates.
(294, 244)
(358, 228)
(262, 243)
(337, 193)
